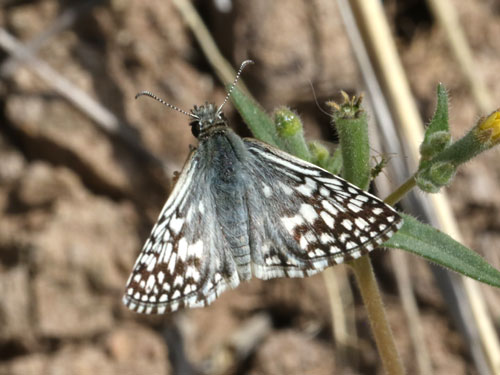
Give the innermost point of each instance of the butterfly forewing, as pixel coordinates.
(181, 263)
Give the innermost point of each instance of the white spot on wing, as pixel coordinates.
(266, 190)
(356, 254)
(330, 180)
(326, 238)
(360, 223)
(347, 224)
(350, 245)
(176, 224)
(160, 228)
(182, 249)
(291, 223)
(329, 207)
(308, 212)
(168, 252)
(196, 249)
(353, 207)
(151, 263)
(327, 219)
(161, 277)
(362, 198)
(189, 214)
(171, 264)
(178, 281)
(343, 237)
(176, 295)
(308, 187)
(324, 192)
(188, 289)
(286, 189)
(192, 272)
(303, 243)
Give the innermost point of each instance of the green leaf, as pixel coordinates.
(322, 158)
(439, 121)
(432, 244)
(437, 134)
(334, 164)
(260, 123)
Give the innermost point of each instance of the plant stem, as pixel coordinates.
(352, 127)
(370, 293)
(401, 191)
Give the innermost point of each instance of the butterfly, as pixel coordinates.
(241, 209)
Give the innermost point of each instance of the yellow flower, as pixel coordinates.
(490, 127)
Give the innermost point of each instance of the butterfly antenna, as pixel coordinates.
(151, 95)
(316, 99)
(242, 66)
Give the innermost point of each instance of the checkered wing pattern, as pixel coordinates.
(293, 219)
(305, 219)
(182, 261)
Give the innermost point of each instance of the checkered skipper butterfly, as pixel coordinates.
(242, 208)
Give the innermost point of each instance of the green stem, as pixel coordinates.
(350, 121)
(370, 293)
(401, 191)
(353, 137)
(459, 152)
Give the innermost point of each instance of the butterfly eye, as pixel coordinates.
(195, 128)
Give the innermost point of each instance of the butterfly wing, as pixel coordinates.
(305, 219)
(301, 219)
(183, 262)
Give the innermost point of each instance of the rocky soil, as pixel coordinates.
(77, 201)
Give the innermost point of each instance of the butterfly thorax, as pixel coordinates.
(209, 120)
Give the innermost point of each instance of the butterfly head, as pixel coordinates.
(206, 118)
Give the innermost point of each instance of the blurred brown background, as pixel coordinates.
(78, 199)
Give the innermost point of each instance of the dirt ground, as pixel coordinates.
(76, 202)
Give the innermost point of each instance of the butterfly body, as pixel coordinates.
(222, 154)
(243, 209)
